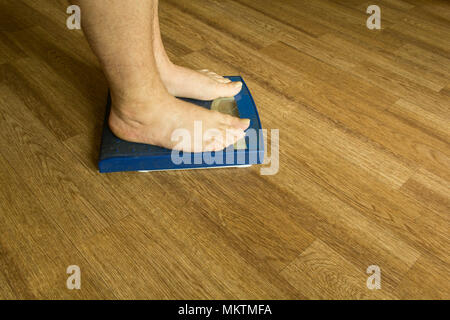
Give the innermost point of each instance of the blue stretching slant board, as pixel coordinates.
(118, 155)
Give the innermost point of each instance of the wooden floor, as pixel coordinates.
(364, 173)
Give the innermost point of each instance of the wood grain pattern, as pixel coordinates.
(364, 148)
(324, 274)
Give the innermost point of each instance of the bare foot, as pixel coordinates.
(155, 122)
(200, 85)
(187, 83)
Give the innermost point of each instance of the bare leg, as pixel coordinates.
(121, 35)
(184, 82)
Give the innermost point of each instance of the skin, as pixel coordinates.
(125, 36)
(187, 83)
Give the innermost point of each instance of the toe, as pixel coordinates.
(216, 76)
(213, 137)
(219, 146)
(230, 89)
(223, 80)
(233, 135)
(234, 122)
(226, 120)
(242, 124)
(213, 144)
(237, 86)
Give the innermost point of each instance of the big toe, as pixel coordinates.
(241, 124)
(229, 89)
(233, 122)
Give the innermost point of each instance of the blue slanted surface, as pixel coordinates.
(118, 155)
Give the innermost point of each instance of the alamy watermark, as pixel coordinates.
(374, 280)
(74, 280)
(73, 22)
(185, 140)
(374, 21)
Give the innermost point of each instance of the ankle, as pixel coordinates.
(163, 62)
(131, 101)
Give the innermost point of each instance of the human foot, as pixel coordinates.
(184, 82)
(200, 85)
(157, 122)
